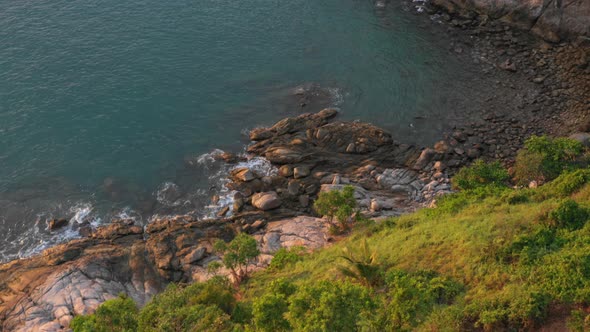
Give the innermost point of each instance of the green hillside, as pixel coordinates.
(489, 257)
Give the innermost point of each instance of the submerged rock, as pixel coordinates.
(54, 224)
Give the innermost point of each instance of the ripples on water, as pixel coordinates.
(100, 103)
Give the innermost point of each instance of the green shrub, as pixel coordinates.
(330, 306)
(520, 308)
(455, 202)
(529, 248)
(529, 309)
(237, 255)
(197, 307)
(269, 310)
(563, 186)
(566, 274)
(480, 174)
(116, 315)
(514, 197)
(337, 204)
(544, 158)
(285, 257)
(268, 313)
(568, 215)
(578, 321)
(412, 297)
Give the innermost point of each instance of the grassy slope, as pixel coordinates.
(516, 266)
(473, 246)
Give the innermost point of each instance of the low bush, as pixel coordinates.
(565, 274)
(269, 310)
(544, 158)
(197, 307)
(563, 186)
(520, 308)
(579, 321)
(330, 306)
(411, 297)
(116, 315)
(286, 257)
(568, 214)
(480, 174)
(529, 248)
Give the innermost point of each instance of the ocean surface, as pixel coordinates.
(112, 108)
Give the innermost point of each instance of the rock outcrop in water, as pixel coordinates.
(553, 20)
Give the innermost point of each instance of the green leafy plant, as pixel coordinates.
(197, 307)
(362, 265)
(480, 174)
(579, 321)
(117, 315)
(237, 255)
(329, 306)
(568, 214)
(337, 204)
(544, 158)
(269, 310)
(285, 257)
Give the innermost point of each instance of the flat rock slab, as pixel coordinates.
(308, 232)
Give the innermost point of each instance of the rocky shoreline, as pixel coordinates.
(552, 20)
(539, 88)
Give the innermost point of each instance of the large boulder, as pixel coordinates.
(266, 201)
(308, 232)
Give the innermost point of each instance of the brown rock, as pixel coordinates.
(260, 134)
(425, 157)
(286, 171)
(54, 224)
(243, 174)
(266, 201)
(301, 172)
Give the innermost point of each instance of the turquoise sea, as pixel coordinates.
(106, 106)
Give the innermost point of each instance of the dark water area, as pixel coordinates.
(108, 109)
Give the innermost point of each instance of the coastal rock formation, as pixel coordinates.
(312, 153)
(553, 20)
(44, 292)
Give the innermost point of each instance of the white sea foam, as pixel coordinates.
(169, 194)
(207, 159)
(337, 96)
(420, 5)
(39, 237)
(219, 179)
(127, 213)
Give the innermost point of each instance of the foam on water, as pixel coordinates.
(38, 237)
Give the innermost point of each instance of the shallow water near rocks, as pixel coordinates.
(106, 108)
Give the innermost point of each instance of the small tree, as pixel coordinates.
(237, 254)
(339, 204)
